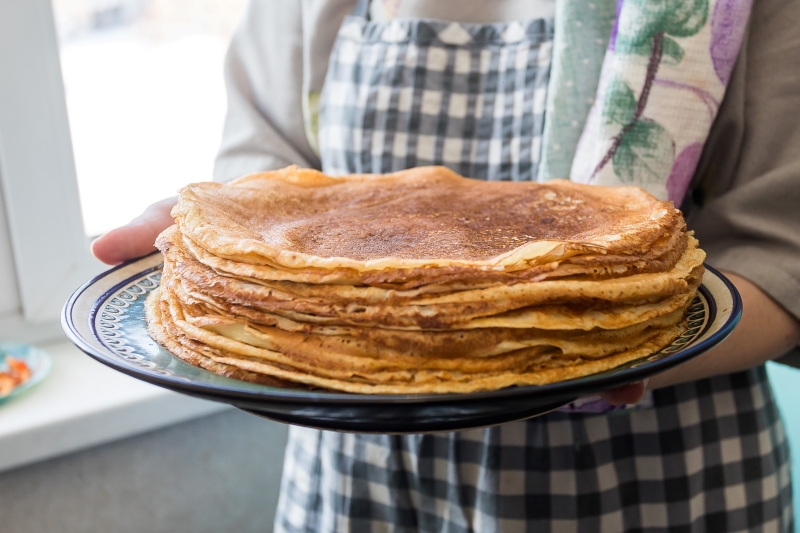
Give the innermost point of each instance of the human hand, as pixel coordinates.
(137, 237)
(766, 331)
(625, 394)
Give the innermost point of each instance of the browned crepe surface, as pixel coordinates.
(308, 297)
(424, 215)
(660, 257)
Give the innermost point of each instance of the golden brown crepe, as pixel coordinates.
(419, 281)
(423, 217)
(538, 368)
(378, 307)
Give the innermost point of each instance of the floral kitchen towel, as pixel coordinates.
(663, 78)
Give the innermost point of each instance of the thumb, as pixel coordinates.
(136, 238)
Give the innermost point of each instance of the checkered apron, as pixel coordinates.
(705, 456)
(402, 94)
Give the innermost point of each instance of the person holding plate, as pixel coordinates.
(696, 101)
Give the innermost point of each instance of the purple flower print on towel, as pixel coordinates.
(682, 172)
(612, 43)
(727, 31)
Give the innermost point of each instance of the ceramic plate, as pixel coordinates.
(38, 362)
(105, 319)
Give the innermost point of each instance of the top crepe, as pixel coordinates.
(424, 217)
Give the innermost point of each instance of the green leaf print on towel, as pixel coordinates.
(646, 28)
(620, 105)
(673, 52)
(641, 156)
(643, 19)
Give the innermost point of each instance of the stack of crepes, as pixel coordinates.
(419, 281)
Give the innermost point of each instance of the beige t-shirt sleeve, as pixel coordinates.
(263, 76)
(746, 208)
(274, 72)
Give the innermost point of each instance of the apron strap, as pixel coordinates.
(362, 9)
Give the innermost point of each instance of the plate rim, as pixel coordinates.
(563, 389)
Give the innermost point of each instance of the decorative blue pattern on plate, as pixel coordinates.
(120, 325)
(105, 318)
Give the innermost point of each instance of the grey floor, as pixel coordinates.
(216, 474)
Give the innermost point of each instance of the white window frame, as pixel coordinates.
(50, 250)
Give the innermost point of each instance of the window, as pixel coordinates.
(41, 203)
(145, 97)
(142, 86)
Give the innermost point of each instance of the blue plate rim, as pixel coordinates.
(565, 389)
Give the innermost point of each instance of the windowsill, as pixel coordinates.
(83, 403)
